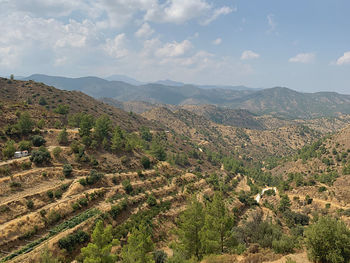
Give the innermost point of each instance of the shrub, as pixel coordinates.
(83, 201)
(283, 246)
(62, 137)
(57, 152)
(26, 165)
(62, 109)
(69, 242)
(151, 200)
(160, 256)
(322, 189)
(25, 145)
(67, 169)
(40, 124)
(42, 101)
(38, 140)
(127, 186)
(9, 150)
(49, 194)
(58, 193)
(53, 217)
(30, 204)
(94, 177)
(146, 163)
(40, 156)
(328, 240)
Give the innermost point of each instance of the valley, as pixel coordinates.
(151, 171)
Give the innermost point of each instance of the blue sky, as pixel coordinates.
(300, 44)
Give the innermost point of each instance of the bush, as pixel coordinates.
(69, 242)
(49, 194)
(146, 163)
(322, 189)
(40, 156)
(62, 109)
(38, 140)
(328, 240)
(63, 137)
(25, 145)
(30, 204)
(25, 123)
(9, 150)
(53, 217)
(127, 186)
(151, 200)
(57, 152)
(283, 246)
(160, 256)
(58, 193)
(42, 101)
(67, 169)
(26, 165)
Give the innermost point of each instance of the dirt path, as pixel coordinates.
(38, 188)
(320, 201)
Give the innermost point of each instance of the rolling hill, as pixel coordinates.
(278, 101)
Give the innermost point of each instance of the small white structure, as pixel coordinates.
(20, 154)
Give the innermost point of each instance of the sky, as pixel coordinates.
(301, 44)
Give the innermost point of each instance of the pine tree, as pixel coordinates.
(99, 250)
(190, 226)
(63, 137)
(216, 232)
(139, 246)
(102, 127)
(25, 123)
(85, 125)
(118, 140)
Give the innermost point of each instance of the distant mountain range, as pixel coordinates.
(278, 101)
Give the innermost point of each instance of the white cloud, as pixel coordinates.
(174, 49)
(248, 54)
(272, 23)
(116, 47)
(225, 10)
(303, 58)
(345, 59)
(217, 41)
(145, 31)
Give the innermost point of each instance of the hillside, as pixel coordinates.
(151, 177)
(279, 102)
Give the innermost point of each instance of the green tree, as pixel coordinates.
(62, 109)
(190, 226)
(158, 151)
(118, 140)
(62, 137)
(25, 123)
(9, 150)
(284, 203)
(25, 145)
(67, 169)
(42, 101)
(40, 156)
(146, 134)
(216, 232)
(102, 127)
(145, 161)
(38, 140)
(85, 123)
(328, 241)
(99, 250)
(139, 246)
